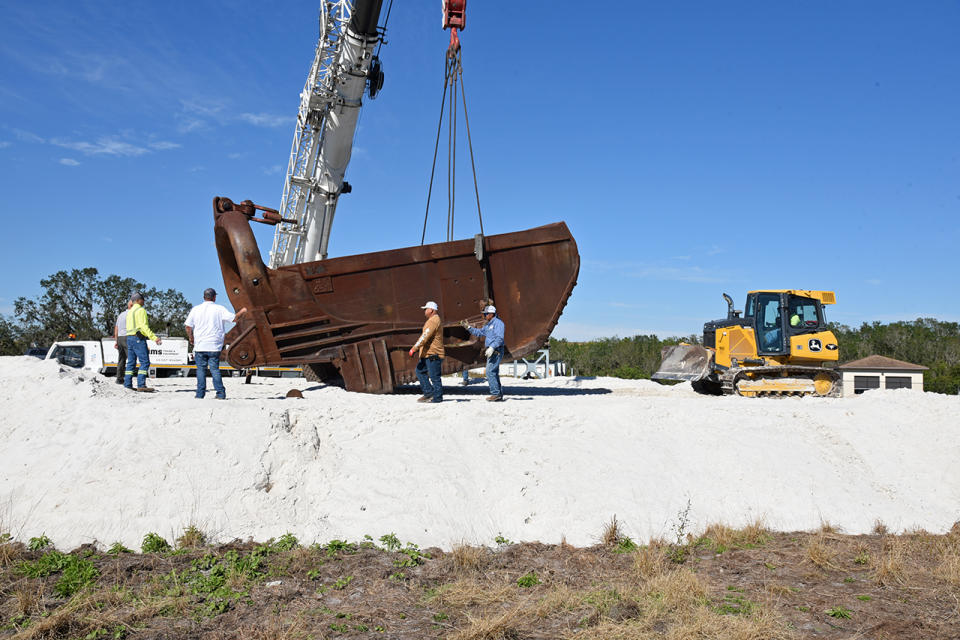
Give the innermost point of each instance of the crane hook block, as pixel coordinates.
(454, 14)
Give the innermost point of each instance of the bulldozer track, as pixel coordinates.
(766, 380)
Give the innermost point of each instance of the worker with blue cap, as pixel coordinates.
(492, 333)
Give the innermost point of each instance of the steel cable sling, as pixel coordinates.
(453, 78)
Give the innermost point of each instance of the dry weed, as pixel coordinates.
(468, 558)
(10, 551)
(677, 593)
(301, 560)
(499, 626)
(891, 565)
(651, 561)
(191, 538)
(948, 569)
(821, 554)
(612, 533)
(778, 590)
(862, 556)
(704, 623)
(826, 527)
(84, 612)
(720, 534)
(558, 598)
(880, 528)
(469, 593)
(754, 534)
(26, 601)
(275, 629)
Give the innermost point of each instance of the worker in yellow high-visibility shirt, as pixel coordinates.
(138, 332)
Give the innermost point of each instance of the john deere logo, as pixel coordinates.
(814, 345)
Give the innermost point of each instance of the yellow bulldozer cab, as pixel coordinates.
(825, 297)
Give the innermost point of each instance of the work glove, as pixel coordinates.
(464, 324)
(411, 352)
(489, 352)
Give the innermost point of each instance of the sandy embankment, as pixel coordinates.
(84, 460)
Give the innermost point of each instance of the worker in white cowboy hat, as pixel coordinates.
(492, 334)
(429, 348)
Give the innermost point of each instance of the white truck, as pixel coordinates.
(169, 358)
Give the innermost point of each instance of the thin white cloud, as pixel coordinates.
(163, 146)
(202, 107)
(874, 281)
(26, 136)
(237, 156)
(186, 125)
(273, 170)
(643, 271)
(266, 119)
(70, 162)
(104, 146)
(113, 146)
(4, 144)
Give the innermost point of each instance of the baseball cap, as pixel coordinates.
(490, 309)
(431, 305)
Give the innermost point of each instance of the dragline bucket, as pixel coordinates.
(355, 317)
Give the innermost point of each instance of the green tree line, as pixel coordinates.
(83, 303)
(926, 341)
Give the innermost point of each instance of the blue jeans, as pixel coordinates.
(493, 372)
(136, 350)
(203, 360)
(428, 373)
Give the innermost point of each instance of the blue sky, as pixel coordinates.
(693, 148)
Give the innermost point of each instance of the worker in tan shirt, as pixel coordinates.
(429, 348)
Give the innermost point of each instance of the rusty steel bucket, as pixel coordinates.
(355, 317)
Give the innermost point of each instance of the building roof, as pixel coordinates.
(882, 362)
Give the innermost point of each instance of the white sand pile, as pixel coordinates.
(85, 460)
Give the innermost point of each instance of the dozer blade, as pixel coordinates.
(684, 362)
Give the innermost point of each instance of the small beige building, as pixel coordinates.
(880, 372)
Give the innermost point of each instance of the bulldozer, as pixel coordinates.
(779, 345)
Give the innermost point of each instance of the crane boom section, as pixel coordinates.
(326, 123)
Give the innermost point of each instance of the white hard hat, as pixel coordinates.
(490, 309)
(431, 305)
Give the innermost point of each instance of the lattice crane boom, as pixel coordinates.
(343, 66)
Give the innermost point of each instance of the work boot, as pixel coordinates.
(424, 399)
(146, 389)
(494, 398)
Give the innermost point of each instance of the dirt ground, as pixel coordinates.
(744, 584)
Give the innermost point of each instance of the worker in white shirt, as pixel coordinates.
(205, 330)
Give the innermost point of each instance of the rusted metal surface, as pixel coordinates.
(357, 316)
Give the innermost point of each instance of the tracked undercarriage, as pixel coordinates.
(776, 381)
(354, 318)
(781, 381)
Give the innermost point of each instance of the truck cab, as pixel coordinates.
(78, 354)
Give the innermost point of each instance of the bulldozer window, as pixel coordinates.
(769, 322)
(803, 314)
